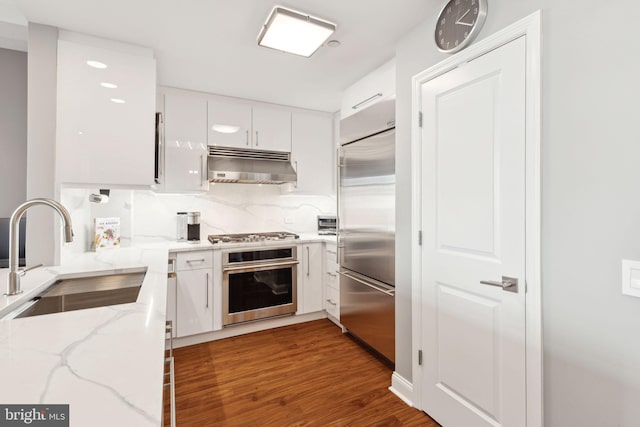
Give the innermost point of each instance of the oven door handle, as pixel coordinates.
(261, 266)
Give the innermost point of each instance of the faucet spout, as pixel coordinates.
(13, 279)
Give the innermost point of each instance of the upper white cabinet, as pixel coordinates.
(105, 112)
(229, 123)
(313, 152)
(185, 141)
(271, 128)
(241, 124)
(373, 87)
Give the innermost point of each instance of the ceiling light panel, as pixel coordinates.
(294, 32)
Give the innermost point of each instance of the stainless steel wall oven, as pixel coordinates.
(258, 283)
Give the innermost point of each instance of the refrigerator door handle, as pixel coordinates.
(390, 292)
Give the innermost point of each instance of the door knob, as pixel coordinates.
(509, 284)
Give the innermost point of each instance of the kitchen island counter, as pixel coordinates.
(107, 363)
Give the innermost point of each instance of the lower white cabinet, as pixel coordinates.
(310, 285)
(194, 293)
(331, 282)
(171, 300)
(194, 302)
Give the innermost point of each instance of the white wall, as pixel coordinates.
(13, 130)
(590, 207)
(43, 234)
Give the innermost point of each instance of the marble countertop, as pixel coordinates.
(107, 363)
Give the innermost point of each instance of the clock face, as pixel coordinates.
(459, 23)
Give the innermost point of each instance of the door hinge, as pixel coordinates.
(420, 237)
(420, 118)
(420, 357)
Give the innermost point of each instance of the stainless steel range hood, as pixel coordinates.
(239, 165)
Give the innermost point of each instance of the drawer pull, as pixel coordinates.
(332, 274)
(331, 302)
(189, 261)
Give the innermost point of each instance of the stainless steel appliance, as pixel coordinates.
(252, 237)
(258, 283)
(181, 229)
(366, 234)
(193, 227)
(238, 165)
(327, 225)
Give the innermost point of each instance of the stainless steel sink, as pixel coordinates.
(85, 292)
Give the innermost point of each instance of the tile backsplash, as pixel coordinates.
(146, 216)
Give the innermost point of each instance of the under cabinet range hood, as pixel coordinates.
(237, 165)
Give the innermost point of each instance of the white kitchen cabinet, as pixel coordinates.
(310, 285)
(242, 124)
(185, 143)
(313, 152)
(331, 283)
(229, 123)
(171, 302)
(194, 293)
(105, 116)
(271, 128)
(375, 86)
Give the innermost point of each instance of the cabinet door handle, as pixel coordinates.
(332, 274)
(331, 302)
(202, 177)
(371, 98)
(308, 261)
(247, 131)
(256, 138)
(206, 286)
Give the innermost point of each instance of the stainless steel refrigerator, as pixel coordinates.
(366, 222)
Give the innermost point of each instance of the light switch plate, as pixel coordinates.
(631, 278)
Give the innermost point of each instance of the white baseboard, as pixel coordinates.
(402, 388)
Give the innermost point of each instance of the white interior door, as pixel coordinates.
(473, 222)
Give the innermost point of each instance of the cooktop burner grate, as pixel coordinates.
(252, 237)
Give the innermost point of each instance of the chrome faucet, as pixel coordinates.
(13, 280)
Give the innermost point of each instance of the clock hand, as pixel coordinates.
(458, 21)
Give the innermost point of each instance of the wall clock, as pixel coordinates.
(459, 23)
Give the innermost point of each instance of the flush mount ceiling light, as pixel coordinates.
(294, 32)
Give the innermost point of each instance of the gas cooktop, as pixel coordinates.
(252, 237)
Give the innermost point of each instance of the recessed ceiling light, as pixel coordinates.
(333, 43)
(118, 100)
(97, 64)
(294, 32)
(108, 85)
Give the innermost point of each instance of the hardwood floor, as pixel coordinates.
(308, 374)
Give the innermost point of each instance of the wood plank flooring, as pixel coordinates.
(308, 374)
